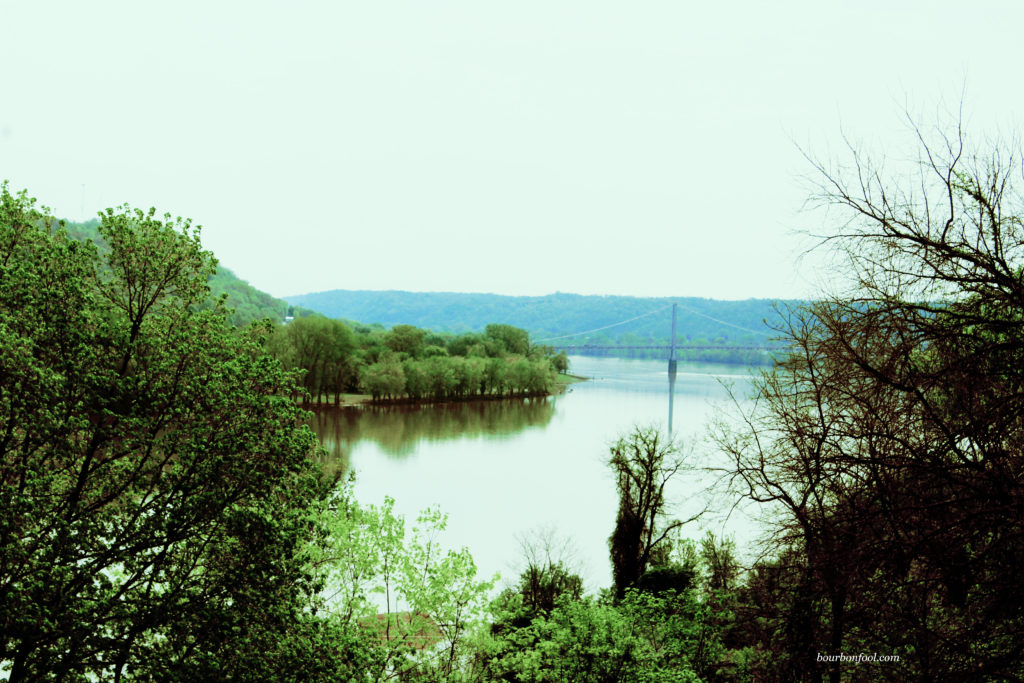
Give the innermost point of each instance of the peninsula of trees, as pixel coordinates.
(412, 364)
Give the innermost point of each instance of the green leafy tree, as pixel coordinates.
(508, 339)
(322, 349)
(443, 376)
(417, 379)
(398, 589)
(154, 475)
(474, 374)
(496, 376)
(383, 379)
(405, 339)
(560, 361)
(643, 639)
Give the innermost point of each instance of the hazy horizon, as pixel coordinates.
(529, 296)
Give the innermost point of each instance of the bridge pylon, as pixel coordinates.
(672, 349)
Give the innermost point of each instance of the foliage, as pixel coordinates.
(645, 637)
(383, 379)
(154, 476)
(245, 303)
(321, 348)
(405, 339)
(399, 364)
(413, 602)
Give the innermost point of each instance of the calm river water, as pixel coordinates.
(502, 470)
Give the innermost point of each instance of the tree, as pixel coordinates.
(508, 339)
(383, 379)
(891, 436)
(643, 464)
(154, 475)
(398, 588)
(405, 339)
(560, 361)
(322, 348)
(644, 637)
(548, 576)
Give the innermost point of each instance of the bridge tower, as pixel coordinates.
(672, 371)
(672, 349)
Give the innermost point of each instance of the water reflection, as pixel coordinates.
(502, 468)
(671, 388)
(398, 430)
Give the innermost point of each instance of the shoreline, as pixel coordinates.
(360, 400)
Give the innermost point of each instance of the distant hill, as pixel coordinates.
(555, 319)
(248, 302)
(555, 316)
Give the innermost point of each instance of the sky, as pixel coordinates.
(651, 148)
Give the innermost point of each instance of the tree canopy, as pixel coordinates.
(154, 475)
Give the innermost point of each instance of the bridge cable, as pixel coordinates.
(722, 322)
(598, 329)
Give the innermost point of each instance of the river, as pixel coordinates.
(503, 470)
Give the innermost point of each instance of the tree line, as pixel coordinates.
(759, 351)
(410, 363)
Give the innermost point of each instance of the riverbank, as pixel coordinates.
(355, 400)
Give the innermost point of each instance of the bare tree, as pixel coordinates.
(643, 462)
(550, 572)
(891, 440)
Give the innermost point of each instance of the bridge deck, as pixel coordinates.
(700, 347)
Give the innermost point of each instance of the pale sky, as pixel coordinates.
(638, 148)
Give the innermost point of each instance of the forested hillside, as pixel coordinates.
(248, 302)
(559, 319)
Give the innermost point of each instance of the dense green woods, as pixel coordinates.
(155, 483)
(409, 363)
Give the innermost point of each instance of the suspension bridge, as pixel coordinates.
(670, 350)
